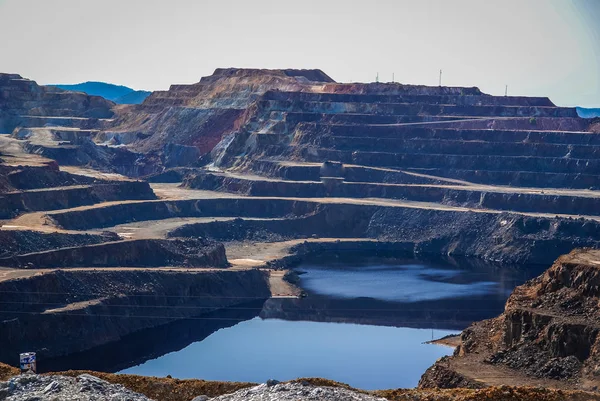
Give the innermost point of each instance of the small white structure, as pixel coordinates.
(28, 362)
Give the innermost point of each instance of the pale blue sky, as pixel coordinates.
(537, 47)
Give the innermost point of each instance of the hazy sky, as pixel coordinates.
(537, 47)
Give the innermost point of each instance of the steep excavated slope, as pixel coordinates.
(172, 128)
(62, 312)
(62, 125)
(450, 156)
(189, 252)
(199, 115)
(449, 169)
(21, 242)
(114, 286)
(548, 333)
(23, 101)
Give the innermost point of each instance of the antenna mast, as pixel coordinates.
(506, 90)
(377, 78)
(440, 78)
(393, 78)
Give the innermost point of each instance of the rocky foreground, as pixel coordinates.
(85, 387)
(296, 391)
(82, 388)
(546, 345)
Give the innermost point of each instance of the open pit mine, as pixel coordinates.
(129, 232)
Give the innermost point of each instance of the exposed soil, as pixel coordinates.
(547, 335)
(167, 389)
(7, 371)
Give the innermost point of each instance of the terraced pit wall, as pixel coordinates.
(19, 242)
(189, 252)
(85, 309)
(11, 204)
(467, 197)
(355, 173)
(502, 237)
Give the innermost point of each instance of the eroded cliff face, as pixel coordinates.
(549, 331)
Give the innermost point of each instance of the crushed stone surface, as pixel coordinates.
(294, 392)
(84, 387)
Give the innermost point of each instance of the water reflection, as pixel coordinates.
(404, 283)
(442, 294)
(373, 315)
(368, 357)
(139, 347)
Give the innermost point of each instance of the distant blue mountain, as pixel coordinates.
(588, 113)
(116, 93)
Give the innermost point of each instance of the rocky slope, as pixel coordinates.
(59, 312)
(97, 386)
(180, 125)
(548, 333)
(83, 388)
(189, 252)
(62, 125)
(296, 391)
(23, 102)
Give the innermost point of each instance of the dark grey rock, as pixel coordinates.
(52, 387)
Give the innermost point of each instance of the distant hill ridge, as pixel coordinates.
(116, 93)
(588, 113)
